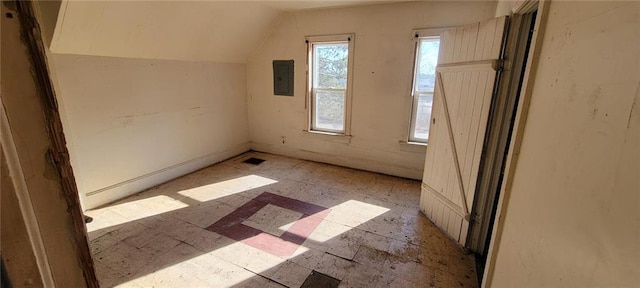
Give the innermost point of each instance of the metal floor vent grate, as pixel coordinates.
(254, 161)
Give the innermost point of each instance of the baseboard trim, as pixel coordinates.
(346, 161)
(132, 186)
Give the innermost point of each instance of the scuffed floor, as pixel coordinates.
(276, 224)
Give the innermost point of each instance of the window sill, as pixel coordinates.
(333, 137)
(413, 143)
(416, 147)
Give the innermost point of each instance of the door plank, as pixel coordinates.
(442, 161)
(471, 127)
(452, 106)
(448, 39)
(481, 133)
(465, 138)
(483, 31)
(488, 40)
(462, 119)
(472, 31)
(464, 231)
(498, 38)
(466, 42)
(457, 54)
(481, 93)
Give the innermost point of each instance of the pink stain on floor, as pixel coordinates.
(284, 246)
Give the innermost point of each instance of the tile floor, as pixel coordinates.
(282, 223)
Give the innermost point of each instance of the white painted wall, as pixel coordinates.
(383, 59)
(136, 123)
(573, 218)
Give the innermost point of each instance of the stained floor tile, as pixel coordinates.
(283, 223)
(317, 279)
(334, 266)
(360, 276)
(371, 257)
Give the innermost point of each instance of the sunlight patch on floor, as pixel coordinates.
(225, 188)
(344, 217)
(131, 211)
(205, 270)
(353, 212)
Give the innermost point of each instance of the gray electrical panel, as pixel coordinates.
(283, 77)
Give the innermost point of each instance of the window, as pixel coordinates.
(424, 79)
(329, 83)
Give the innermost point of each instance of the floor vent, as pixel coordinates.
(254, 161)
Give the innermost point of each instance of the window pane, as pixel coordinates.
(329, 110)
(331, 65)
(425, 80)
(423, 119)
(427, 61)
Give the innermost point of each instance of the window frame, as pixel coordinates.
(348, 38)
(418, 35)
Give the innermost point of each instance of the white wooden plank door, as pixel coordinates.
(466, 76)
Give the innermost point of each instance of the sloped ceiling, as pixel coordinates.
(295, 5)
(220, 31)
(198, 31)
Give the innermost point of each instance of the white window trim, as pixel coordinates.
(326, 136)
(350, 38)
(416, 35)
(427, 32)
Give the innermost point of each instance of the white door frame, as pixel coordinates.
(499, 129)
(522, 7)
(24, 199)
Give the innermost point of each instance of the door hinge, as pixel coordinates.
(473, 218)
(500, 65)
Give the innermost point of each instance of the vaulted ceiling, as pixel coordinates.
(220, 31)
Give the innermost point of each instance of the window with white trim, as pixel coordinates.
(329, 91)
(424, 79)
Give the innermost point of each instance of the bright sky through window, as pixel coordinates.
(424, 86)
(329, 86)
